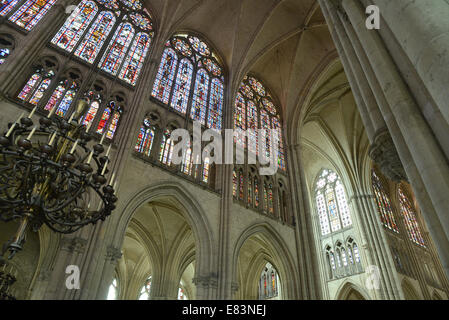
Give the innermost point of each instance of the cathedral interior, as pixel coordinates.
(357, 209)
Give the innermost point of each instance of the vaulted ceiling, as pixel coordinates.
(284, 42)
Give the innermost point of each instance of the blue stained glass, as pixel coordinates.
(94, 39)
(115, 53)
(135, 58)
(65, 103)
(6, 6)
(75, 25)
(240, 119)
(182, 86)
(252, 125)
(199, 106)
(215, 104)
(31, 12)
(165, 76)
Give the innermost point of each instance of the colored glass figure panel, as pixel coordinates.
(215, 104)
(165, 76)
(276, 124)
(410, 221)
(141, 21)
(257, 86)
(269, 106)
(113, 125)
(75, 25)
(206, 170)
(187, 162)
(212, 66)
(31, 12)
(247, 91)
(6, 6)
(199, 46)
(117, 48)
(256, 193)
(252, 125)
(29, 86)
(145, 138)
(240, 120)
(55, 97)
(383, 204)
(182, 47)
(38, 94)
(332, 210)
(135, 58)
(91, 113)
(181, 90)
(65, 103)
(199, 106)
(343, 205)
(4, 53)
(250, 190)
(110, 4)
(241, 186)
(95, 37)
(270, 199)
(132, 4)
(105, 118)
(265, 123)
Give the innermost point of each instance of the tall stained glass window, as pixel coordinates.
(383, 203)
(6, 6)
(62, 97)
(145, 138)
(166, 148)
(254, 109)
(29, 14)
(331, 203)
(409, 215)
(89, 26)
(269, 283)
(189, 66)
(36, 86)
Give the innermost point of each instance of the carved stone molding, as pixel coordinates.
(206, 281)
(113, 254)
(384, 154)
(72, 245)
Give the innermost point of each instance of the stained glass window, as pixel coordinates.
(187, 160)
(409, 216)
(268, 283)
(75, 25)
(105, 117)
(199, 105)
(270, 199)
(165, 75)
(145, 291)
(66, 102)
(4, 53)
(383, 203)
(128, 47)
(114, 123)
(145, 138)
(91, 113)
(6, 6)
(95, 37)
(41, 89)
(135, 58)
(31, 12)
(258, 101)
(234, 184)
(206, 169)
(182, 86)
(241, 185)
(250, 190)
(115, 53)
(27, 89)
(185, 56)
(256, 193)
(332, 206)
(215, 104)
(166, 150)
(62, 97)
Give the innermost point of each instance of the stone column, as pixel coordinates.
(422, 29)
(424, 150)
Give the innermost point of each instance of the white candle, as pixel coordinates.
(52, 139)
(31, 133)
(13, 126)
(88, 126)
(74, 147)
(115, 185)
(109, 150)
(71, 117)
(112, 179)
(51, 112)
(102, 138)
(104, 168)
(90, 157)
(32, 112)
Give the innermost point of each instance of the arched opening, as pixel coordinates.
(158, 253)
(409, 291)
(349, 291)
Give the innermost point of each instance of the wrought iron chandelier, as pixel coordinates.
(49, 175)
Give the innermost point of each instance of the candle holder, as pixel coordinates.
(49, 175)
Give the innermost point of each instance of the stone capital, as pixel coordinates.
(113, 254)
(72, 245)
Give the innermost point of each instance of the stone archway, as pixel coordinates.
(258, 245)
(350, 291)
